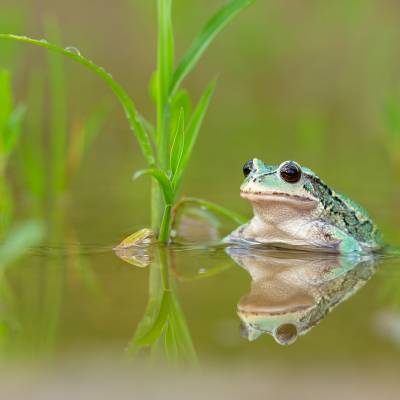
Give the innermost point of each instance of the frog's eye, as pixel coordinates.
(290, 172)
(247, 168)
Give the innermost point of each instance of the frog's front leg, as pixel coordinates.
(337, 239)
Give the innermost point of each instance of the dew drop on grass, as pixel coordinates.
(43, 41)
(73, 50)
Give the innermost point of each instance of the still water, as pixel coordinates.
(194, 303)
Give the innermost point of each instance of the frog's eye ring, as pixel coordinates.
(290, 172)
(247, 168)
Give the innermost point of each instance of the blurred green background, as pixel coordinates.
(312, 81)
(297, 80)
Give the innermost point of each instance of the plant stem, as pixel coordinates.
(157, 205)
(165, 224)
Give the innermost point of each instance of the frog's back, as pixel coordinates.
(354, 219)
(339, 210)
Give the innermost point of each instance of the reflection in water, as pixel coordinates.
(163, 330)
(292, 292)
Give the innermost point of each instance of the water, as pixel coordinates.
(78, 299)
(73, 50)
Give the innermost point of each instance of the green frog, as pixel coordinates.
(293, 207)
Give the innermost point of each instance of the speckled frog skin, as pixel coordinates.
(293, 207)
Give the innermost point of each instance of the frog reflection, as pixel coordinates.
(292, 292)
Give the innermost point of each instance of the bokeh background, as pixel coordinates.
(297, 80)
(313, 81)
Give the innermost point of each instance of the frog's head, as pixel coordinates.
(288, 184)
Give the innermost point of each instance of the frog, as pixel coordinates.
(294, 208)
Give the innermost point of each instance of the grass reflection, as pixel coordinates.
(163, 329)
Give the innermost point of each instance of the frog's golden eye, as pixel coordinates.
(247, 168)
(290, 172)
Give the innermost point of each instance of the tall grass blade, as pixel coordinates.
(165, 66)
(162, 179)
(204, 39)
(82, 136)
(5, 101)
(13, 129)
(178, 143)
(180, 101)
(6, 206)
(128, 105)
(32, 159)
(192, 132)
(10, 119)
(165, 56)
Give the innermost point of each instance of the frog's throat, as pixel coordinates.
(279, 197)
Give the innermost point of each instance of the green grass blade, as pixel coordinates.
(132, 115)
(180, 101)
(165, 56)
(5, 101)
(6, 206)
(159, 324)
(162, 179)
(192, 132)
(81, 137)
(181, 331)
(152, 309)
(32, 159)
(165, 66)
(93, 125)
(178, 143)
(204, 39)
(170, 342)
(13, 130)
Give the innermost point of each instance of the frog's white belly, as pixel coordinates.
(290, 232)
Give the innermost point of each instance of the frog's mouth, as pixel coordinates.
(267, 197)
